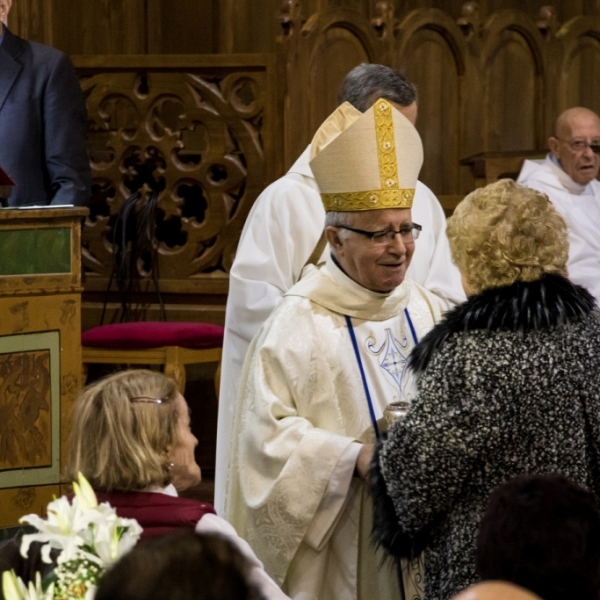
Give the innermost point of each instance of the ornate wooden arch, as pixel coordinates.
(519, 22)
(574, 33)
(430, 48)
(516, 137)
(312, 81)
(436, 20)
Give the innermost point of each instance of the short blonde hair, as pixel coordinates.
(504, 233)
(118, 444)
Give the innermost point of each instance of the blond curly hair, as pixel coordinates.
(118, 440)
(504, 233)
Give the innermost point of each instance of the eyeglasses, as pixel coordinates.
(407, 233)
(581, 145)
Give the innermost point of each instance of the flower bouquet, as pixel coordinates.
(90, 537)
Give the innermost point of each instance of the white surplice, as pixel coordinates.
(280, 234)
(303, 409)
(580, 207)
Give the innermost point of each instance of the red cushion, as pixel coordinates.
(153, 334)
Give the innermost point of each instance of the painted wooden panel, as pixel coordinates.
(25, 421)
(17, 502)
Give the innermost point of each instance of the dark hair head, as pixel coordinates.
(542, 532)
(367, 82)
(181, 565)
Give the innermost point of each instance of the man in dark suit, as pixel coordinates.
(43, 122)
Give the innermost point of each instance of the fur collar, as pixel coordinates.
(520, 307)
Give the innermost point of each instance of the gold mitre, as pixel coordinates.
(366, 161)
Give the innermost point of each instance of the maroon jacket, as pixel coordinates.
(155, 512)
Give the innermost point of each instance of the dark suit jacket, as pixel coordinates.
(43, 121)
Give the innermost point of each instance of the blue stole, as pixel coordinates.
(362, 370)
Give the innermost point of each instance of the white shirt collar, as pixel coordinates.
(348, 283)
(571, 186)
(168, 491)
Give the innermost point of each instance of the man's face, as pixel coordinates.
(580, 165)
(377, 267)
(4, 9)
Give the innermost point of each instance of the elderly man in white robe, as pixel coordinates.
(284, 231)
(568, 177)
(325, 364)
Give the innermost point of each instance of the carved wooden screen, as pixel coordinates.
(201, 131)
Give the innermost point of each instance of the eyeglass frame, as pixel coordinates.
(415, 230)
(595, 148)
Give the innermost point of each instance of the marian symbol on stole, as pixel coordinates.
(393, 357)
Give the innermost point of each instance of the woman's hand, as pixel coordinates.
(363, 461)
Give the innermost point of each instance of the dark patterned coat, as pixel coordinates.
(509, 384)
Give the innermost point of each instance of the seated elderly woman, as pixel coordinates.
(508, 385)
(131, 439)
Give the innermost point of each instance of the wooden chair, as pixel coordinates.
(170, 344)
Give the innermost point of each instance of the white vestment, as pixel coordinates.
(279, 236)
(579, 205)
(213, 524)
(304, 405)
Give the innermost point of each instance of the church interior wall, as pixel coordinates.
(214, 99)
(492, 76)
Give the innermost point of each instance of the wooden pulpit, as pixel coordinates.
(40, 352)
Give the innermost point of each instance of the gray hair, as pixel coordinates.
(336, 219)
(367, 82)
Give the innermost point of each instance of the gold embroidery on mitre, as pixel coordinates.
(371, 200)
(386, 149)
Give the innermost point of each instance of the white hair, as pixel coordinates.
(335, 219)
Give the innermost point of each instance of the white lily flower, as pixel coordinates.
(85, 493)
(90, 537)
(91, 592)
(14, 588)
(114, 537)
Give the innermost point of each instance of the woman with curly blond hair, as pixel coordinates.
(508, 385)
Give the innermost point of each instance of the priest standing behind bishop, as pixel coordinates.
(322, 368)
(568, 177)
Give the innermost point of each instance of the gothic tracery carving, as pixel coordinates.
(194, 139)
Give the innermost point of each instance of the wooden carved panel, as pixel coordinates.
(19, 501)
(511, 95)
(513, 74)
(580, 72)
(317, 54)
(432, 56)
(339, 53)
(198, 137)
(25, 419)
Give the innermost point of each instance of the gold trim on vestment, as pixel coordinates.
(386, 150)
(371, 200)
